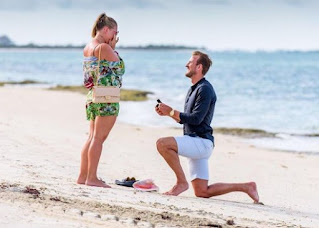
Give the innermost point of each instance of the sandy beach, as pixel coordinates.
(42, 133)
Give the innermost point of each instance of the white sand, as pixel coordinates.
(41, 135)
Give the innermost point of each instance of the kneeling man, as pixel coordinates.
(197, 143)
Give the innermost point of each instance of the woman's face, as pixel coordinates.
(110, 33)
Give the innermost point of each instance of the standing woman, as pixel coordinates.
(102, 67)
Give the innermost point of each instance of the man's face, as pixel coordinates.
(191, 66)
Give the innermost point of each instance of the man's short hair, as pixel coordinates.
(204, 60)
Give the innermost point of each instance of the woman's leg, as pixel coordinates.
(84, 156)
(102, 128)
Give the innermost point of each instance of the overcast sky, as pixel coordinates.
(215, 24)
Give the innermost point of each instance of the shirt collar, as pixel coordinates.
(197, 83)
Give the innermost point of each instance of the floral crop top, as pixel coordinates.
(111, 72)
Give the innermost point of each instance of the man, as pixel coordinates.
(197, 142)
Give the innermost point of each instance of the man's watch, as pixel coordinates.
(171, 113)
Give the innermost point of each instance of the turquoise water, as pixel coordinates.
(277, 91)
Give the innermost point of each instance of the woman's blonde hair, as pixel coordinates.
(101, 21)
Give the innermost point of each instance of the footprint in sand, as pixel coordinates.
(91, 215)
(109, 218)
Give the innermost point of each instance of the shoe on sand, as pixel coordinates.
(128, 182)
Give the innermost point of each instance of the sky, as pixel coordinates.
(214, 24)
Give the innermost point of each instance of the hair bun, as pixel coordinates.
(102, 17)
(101, 21)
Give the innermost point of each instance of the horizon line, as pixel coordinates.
(157, 46)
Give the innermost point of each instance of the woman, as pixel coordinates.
(102, 116)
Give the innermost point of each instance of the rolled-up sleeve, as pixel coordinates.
(201, 107)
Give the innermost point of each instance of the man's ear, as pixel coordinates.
(200, 67)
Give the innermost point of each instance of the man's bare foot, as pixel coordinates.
(97, 183)
(252, 191)
(177, 189)
(81, 179)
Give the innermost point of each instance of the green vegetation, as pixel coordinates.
(6, 42)
(244, 132)
(161, 47)
(126, 95)
(134, 95)
(145, 47)
(25, 82)
(80, 89)
(307, 135)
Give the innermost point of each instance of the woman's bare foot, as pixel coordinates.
(177, 189)
(252, 191)
(81, 179)
(97, 183)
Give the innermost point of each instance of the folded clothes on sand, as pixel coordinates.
(145, 185)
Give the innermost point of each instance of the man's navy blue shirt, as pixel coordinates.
(199, 110)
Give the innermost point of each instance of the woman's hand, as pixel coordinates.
(113, 41)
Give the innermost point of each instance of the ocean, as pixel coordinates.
(277, 92)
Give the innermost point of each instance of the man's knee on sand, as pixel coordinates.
(200, 190)
(201, 193)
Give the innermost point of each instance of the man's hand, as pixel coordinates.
(163, 109)
(113, 41)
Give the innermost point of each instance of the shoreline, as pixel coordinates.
(279, 141)
(243, 136)
(236, 131)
